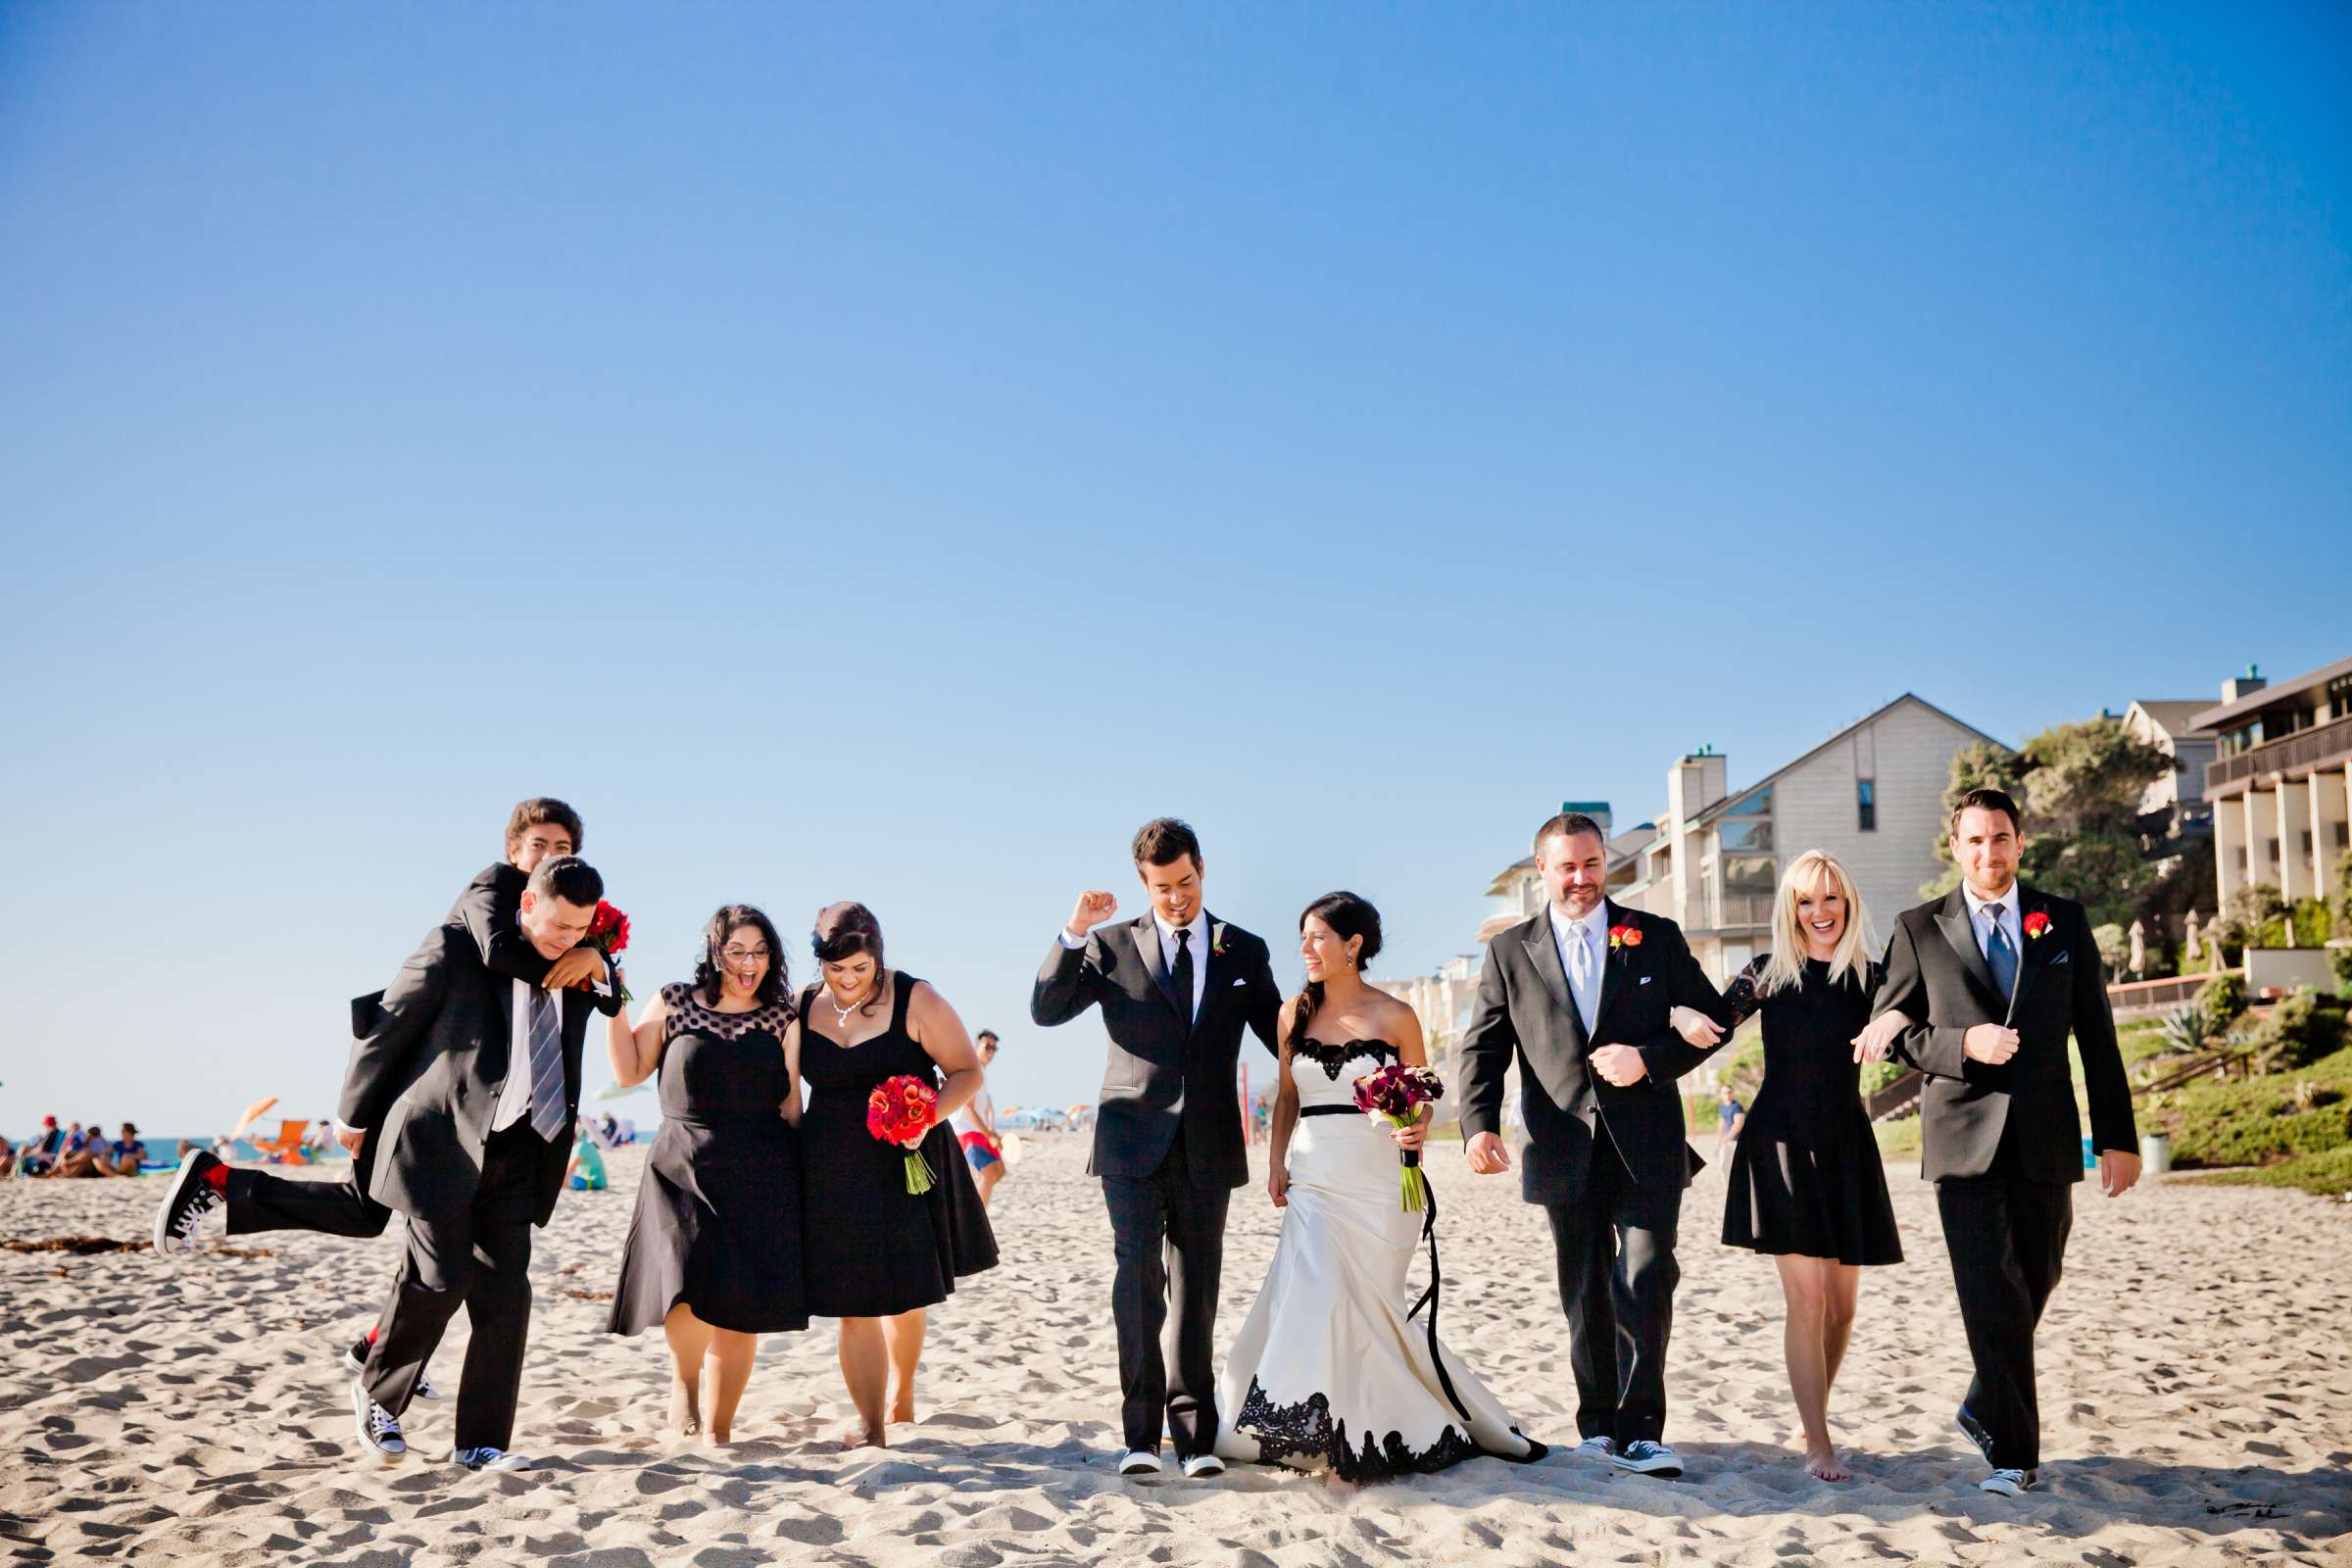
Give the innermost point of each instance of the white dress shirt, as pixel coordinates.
(1981, 925)
(1593, 928)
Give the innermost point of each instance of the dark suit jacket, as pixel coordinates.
(1937, 972)
(1526, 1012)
(430, 1058)
(1165, 1077)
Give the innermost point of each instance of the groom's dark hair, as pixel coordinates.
(1569, 824)
(567, 877)
(1163, 841)
(1989, 799)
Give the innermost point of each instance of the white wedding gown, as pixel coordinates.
(1333, 1366)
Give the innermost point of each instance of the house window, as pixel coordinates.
(1752, 833)
(2339, 696)
(1865, 805)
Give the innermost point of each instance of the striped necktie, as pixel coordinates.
(547, 1067)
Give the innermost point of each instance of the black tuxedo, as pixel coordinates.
(1169, 1146)
(2003, 1144)
(1608, 1165)
(258, 1202)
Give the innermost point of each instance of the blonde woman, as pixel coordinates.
(1806, 1186)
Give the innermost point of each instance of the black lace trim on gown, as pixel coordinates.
(1331, 1058)
(1306, 1430)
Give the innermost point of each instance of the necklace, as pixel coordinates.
(841, 1015)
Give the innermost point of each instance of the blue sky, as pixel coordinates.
(889, 452)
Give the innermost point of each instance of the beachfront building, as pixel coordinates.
(1444, 1001)
(2174, 808)
(1872, 794)
(2280, 782)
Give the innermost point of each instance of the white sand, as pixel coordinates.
(2196, 1390)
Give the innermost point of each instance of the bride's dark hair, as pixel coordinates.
(1348, 916)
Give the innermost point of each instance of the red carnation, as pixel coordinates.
(608, 934)
(2038, 922)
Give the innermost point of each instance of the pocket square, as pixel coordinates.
(2059, 957)
(1645, 979)
(1241, 980)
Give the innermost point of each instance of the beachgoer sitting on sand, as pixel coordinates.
(121, 1157)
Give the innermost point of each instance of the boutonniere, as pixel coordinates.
(2037, 924)
(1624, 936)
(1216, 942)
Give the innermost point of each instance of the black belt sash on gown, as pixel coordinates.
(1430, 1297)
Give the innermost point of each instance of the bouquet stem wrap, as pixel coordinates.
(1398, 1094)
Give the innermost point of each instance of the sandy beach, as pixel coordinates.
(2196, 1382)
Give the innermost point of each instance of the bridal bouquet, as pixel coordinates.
(608, 934)
(1396, 1094)
(903, 1107)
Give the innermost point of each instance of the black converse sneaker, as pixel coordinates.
(487, 1458)
(378, 1428)
(195, 1207)
(354, 1362)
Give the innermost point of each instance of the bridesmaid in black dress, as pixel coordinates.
(714, 1254)
(1806, 1185)
(875, 1255)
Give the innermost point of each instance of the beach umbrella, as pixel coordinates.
(619, 1090)
(253, 1113)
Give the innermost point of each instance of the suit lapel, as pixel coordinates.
(1218, 975)
(1544, 952)
(1959, 931)
(1613, 963)
(1146, 944)
(2032, 955)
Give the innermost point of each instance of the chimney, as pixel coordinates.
(2237, 686)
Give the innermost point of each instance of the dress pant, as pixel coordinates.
(260, 1201)
(1614, 1248)
(478, 1259)
(2007, 1237)
(1168, 1236)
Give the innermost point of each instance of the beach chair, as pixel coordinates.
(286, 1148)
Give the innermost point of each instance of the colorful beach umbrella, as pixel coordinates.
(253, 1113)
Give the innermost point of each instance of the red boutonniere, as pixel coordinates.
(2037, 924)
(1625, 935)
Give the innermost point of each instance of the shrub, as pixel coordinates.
(2254, 1122)
(2308, 923)
(2328, 1174)
(2301, 1029)
(2342, 964)
(2223, 999)
(2191, 1028)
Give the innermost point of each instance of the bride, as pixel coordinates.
(1336, 1367)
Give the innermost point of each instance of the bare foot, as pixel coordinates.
(901, 1409)
(1823, 1464)
(859, 1437)
(720, 1434)
(684, 1419)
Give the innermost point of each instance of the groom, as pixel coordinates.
(463, 1092)
(1994, 976)
(1176, 986)
(1580, 997)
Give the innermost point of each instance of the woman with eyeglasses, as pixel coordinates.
(714, 1254)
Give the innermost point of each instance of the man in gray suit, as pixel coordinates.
(1580, 997)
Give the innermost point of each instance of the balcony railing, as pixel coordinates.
(2305, 749)
(1734, 910)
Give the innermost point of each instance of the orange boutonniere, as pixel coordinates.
(2037, 924)
(1625, 935)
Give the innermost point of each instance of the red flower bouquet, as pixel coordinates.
(608, 934)
(1396, 1094)
(900, 1109)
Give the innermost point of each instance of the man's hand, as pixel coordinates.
(1990, 1043)
(1621, 1065)
(1878, 1036)
(1696, 1029)
(2118, 1170)
(576, 968)
(1487, 1155)
(1094, 907)
(351, 1137)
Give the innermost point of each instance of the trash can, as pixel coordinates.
(2155, 1154)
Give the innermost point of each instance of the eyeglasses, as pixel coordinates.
(736, 957)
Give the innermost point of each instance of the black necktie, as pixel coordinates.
(1180, 975)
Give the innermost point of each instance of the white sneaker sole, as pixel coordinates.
(1203, 1466)
(1669, 1468)
(1138, 1465)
